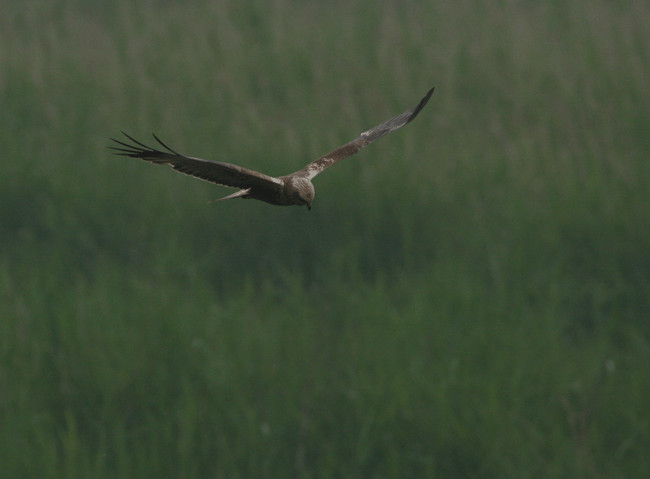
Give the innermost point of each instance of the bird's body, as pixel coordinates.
(293, 189)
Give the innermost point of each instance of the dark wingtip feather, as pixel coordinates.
(142, 145)
(421, 105)
(164, 145)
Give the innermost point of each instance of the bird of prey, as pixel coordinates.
(293, 189)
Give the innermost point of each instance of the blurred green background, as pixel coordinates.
(468, 298)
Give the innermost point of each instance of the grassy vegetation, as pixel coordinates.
(469, 297)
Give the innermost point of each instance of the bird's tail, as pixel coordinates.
(237, 194)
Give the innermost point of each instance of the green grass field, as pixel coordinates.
(468, 298)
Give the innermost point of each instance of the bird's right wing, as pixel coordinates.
(217, 172)
(367, 137)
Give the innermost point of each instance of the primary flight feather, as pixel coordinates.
(293, 189)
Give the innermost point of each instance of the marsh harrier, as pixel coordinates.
(293, 189)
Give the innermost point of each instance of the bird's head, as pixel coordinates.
(303, 190)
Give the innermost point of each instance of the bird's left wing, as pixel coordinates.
(367, 137)
(213, 171)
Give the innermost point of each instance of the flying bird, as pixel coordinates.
(293, 189)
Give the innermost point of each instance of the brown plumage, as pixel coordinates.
(293, 189)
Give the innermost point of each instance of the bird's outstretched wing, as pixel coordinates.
(367, 137)
(214, 171)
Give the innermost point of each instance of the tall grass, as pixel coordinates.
(468, 297)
